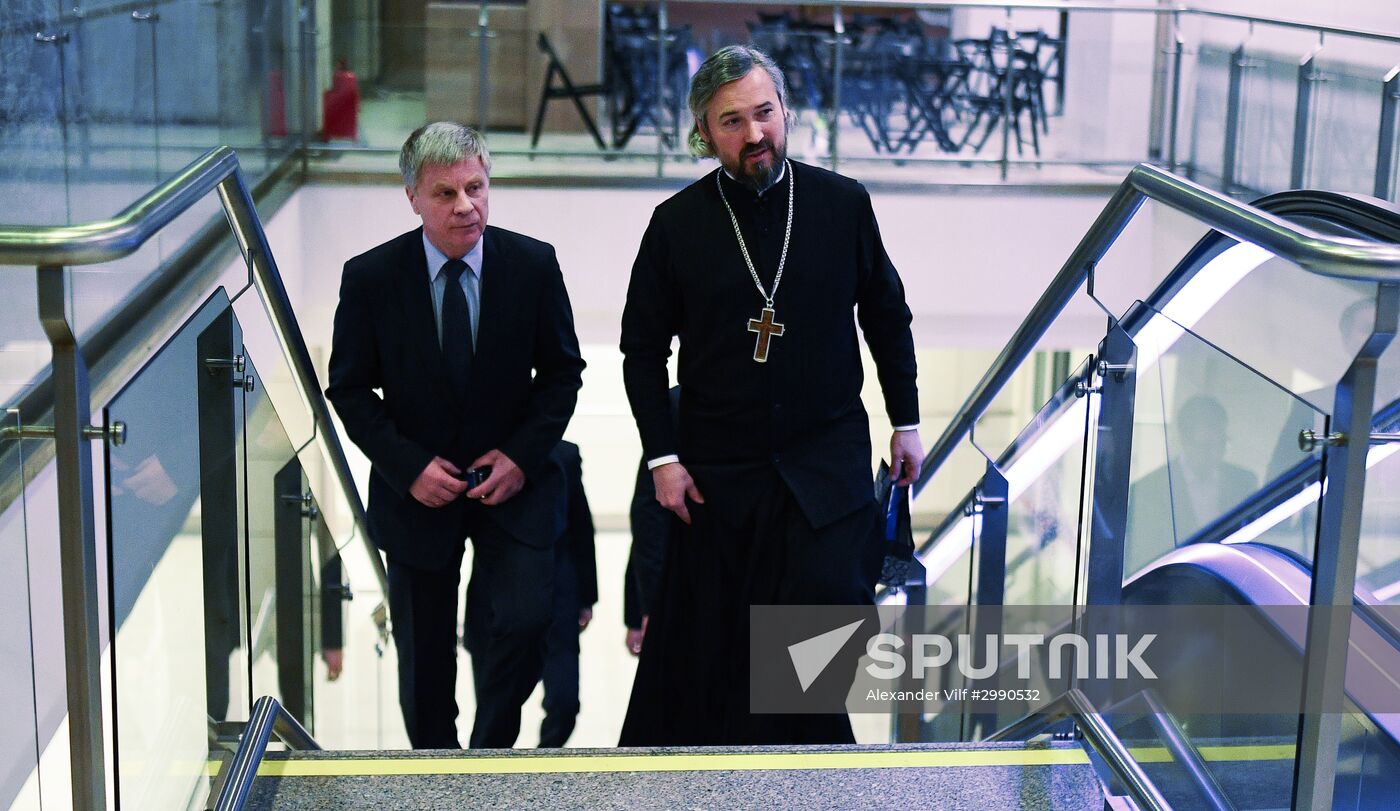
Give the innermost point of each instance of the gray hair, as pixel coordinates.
(729, 64)
(441, 143)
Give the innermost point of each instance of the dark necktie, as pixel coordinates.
(456, 327)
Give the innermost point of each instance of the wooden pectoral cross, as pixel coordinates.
(766, 328)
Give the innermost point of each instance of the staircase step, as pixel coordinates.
(946, 776)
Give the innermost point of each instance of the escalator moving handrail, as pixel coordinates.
(1336, 257)
(1261, 583)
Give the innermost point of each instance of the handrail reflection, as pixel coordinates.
(1105, 742)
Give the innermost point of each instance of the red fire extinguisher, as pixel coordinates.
(341, 105)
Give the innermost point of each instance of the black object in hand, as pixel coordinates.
(476, 476)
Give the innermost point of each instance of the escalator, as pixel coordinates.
(1186, 463)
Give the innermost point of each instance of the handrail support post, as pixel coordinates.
(82, 633)
(1117, 370)
(1233, 113)
(1334, 567)
(1389, 142)
(1308, 77)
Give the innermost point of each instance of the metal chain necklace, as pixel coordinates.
(765, 326)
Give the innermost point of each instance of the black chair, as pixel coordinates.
(1003, 76)
(565, 90)
(635, 101)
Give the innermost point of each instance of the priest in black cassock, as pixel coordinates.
(763, 268)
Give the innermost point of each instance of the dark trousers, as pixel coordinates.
(508, 598)
(561, 648)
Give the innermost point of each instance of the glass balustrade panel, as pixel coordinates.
(32, 177)
(1212, 441)
(334, 507)
(1348, 92)
(277, 381)
(21, 739)
(24, 350)
(159, 573)
(1107, 96)
(223, 517)
(1315, 326)
(1207, 97)
(1209, 433)
(1268, 107)
(1045, 473)
(1378, 563)
(112, 152)
(273, 487)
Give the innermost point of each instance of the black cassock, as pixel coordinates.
(779, 450)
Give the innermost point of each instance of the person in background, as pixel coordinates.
(575, 593)
(653, 528)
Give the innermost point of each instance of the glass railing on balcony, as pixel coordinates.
(1041, 92)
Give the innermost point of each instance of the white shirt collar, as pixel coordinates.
(436, 258)
(781, 174)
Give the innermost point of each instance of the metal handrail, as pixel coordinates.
(122, 235)
(1100, 735)
(52, 249)
(268, 718)
(1185, 753)
(1336, 257)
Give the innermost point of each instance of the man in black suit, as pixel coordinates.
(467, 331)
(759, 268)
(575, 593)
(652, 528)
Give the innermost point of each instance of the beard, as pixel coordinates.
(761, 175)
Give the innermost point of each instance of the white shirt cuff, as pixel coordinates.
(913, 427)
(653, 464)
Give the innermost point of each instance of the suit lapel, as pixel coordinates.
(497, 285)
(420, 322)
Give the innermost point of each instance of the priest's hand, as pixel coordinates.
(673, 487)
(906, 457)
(437, 485)
(635, 637)
(505, 481)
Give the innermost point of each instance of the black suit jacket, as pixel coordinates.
(524, 383)
(578, 530)
(800, 411)
(653, 527)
